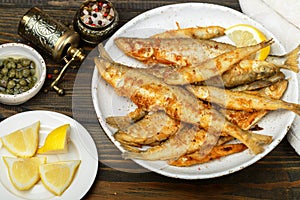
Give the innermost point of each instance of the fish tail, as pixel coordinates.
(292, 62)
(257, 142)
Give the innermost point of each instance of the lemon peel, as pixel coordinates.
(246, 35)
(56, 141)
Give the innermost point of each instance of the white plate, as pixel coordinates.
(107, 103)
(81, 147)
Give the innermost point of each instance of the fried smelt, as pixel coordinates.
(256, 85)
(153, 128)
(180, 143)
(152, 94)
(212, 67)
(171, 51)
(241, 100)
(245, 120)
(216, 153)
(122, 122)
(207, 32)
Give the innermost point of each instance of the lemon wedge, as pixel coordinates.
(23, 172)
(56, 141)
(245, 35)
(58, 176)
(23, 142)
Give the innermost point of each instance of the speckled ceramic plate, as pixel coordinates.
(81, 147)
(107, 103)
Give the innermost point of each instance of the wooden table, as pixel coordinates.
(276, 176)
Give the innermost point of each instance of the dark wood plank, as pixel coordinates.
(274, 177)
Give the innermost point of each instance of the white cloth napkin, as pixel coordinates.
(282, 18)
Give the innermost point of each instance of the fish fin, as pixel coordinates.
(292, 62)
(103, 53)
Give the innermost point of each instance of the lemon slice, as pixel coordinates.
(56, 141)
(23, 172)
(23, 142)
(245, 35)
(58, 176)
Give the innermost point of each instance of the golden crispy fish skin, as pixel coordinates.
(154, 127)
(241, 100)
(212, 67)
(245, 120)
(152, 94)
(216, 153)
(248, 71)
(206, 32)
(122, 122)
(256, 85)
(187, 139)
(171, 51)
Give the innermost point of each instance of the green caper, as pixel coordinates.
(29, 79)
(34, 79)
(32, 71)
(18, 86)
(12, 73)
(10, 65)
(26, 72)
(24, 89)
(11, 84)
(19, 66)
(17, 75)
(25, 62)
(4, 71)
(16, 91)
(23, 82)
(9, 91)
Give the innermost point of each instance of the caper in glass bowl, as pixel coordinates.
(22, 73)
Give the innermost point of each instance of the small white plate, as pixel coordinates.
(108, 103)
(81, 147)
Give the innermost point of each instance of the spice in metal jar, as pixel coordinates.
(97, 14)
(17, 75)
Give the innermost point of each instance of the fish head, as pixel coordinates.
(138, 48)
(111, 72)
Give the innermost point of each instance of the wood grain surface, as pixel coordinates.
(277, 176)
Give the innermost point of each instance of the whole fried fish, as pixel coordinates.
(152, 94)
(245, 120)
(186, 140)
(207, 32)
(259, 84)
(216, 153)
(241, 100)
(248, 71)
(171, 51)
(211, 67)
(153, 128)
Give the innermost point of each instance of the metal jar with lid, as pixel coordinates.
(52, 37)
(94, 20)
